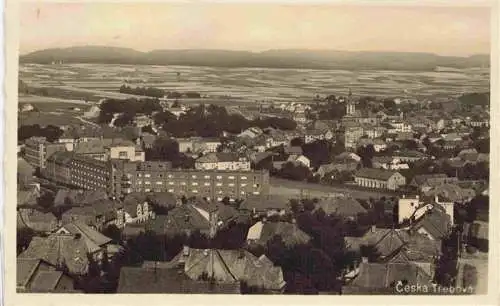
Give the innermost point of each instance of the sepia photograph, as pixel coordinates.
(252, 149)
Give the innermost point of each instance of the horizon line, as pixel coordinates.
(255, 51)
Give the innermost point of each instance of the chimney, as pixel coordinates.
(185, 251)
(294, 221)
(364, 259)
(78, 236)
(373, 228)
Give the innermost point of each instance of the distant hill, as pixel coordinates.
(288, 58)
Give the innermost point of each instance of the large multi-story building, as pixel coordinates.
(223, 161)
(68, 168)
(38, 149)
(121, 177)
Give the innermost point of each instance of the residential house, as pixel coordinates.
(378, 144)
(231, 266)
(266, 205)
(42, 222)
(352, 135)
(337, 168)
(196, 217)
(135, 211)
(72, 197)
(411, 208)
(251, 132)
(409, 156)
(387, 278)
(148, 140)
(37, 150)
(262, 232)
(345, 207)
(156, 278)
(380, 179)
(223, 161)
(143, 120)
(299, 160)
(435, 224)
(314, 135)
(98, 216)
(388, 163)
(386, 243)
(425, 182)
(36, 276)
(347, 157)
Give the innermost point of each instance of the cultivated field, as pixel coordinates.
(255, 84)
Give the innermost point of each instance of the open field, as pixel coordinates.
(253, 84)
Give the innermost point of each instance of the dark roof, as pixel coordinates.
(185, 218)
(168, 280)
(263, 203)
(27, 197)
(228, 266)
(79, 197)
(376, 174)
(94, 240)
(387, 275)
(24, 168)
(262, 232)
(61, 157)
(385, 241)
(435, 221)
(342, 206)
(59, 249)
(422, 178)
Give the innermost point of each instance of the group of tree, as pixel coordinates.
(212, 121)
(50, 132)
(143, 91)
(168, 149)
(127, 110)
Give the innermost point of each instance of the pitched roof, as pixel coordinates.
(23, 167)
(168, 280)
(435, 221)
(78, 197)
(386, 275)
(26, 198)
(451, 192)
(228, 266)
(184, 218)
(385, 241)
(92, 238)
(291, 234)
(26, 267)
(37, 220)
(341, 206)
(420, 179)
(293, 150)
(59, 249)
(262, 203)
(376, 174)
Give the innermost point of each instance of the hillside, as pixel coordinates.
(306, 59)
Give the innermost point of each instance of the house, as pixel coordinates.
(251, 132)
(71, 197)
(143, 120)
(36, 276)
(266, 205)
(378, 144)
(411, 208)
(386, 243)
(425, 182)
(409, 156)
(299, 159)
(196, 217)
(347, 157)
(42, 222)
(262, 232)
(231, 266)
(387, 278)
(28, 197)
(451, 193)
(333, 167)
(155, 278)
(380, 179)
(314, 135)
(345, 207)
(351, 136)
(388, 163)
(147, 140)
(222, 161)
(435, 223)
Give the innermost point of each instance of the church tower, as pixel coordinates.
(350, 107)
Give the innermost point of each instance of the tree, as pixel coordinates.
(297, 142)
(294, 172)
(366, 153)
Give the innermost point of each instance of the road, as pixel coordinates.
(293, 188)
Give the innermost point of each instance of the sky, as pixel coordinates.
(459, 31)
